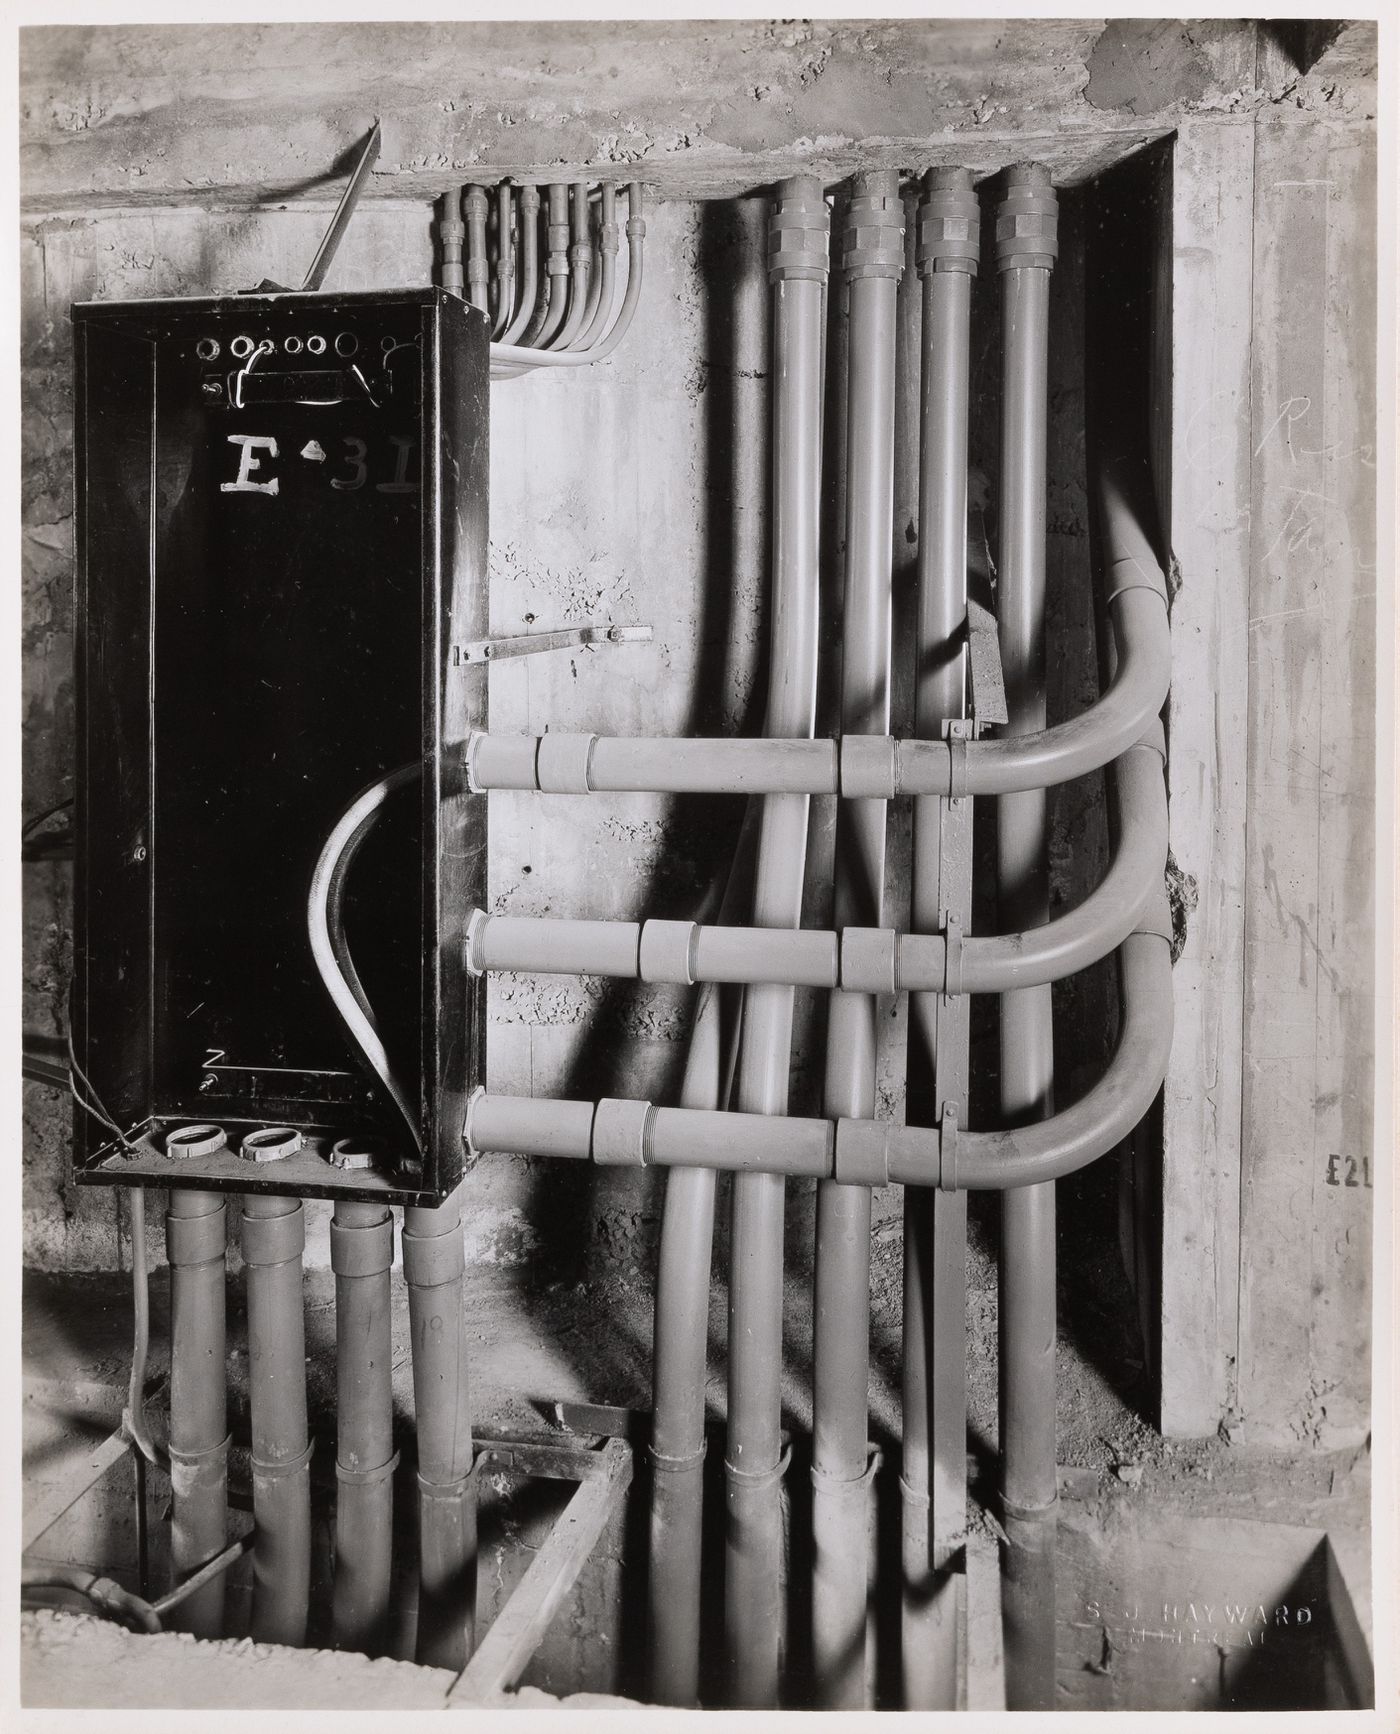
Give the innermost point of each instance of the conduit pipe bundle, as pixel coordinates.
(847, 1151)
(563, 315)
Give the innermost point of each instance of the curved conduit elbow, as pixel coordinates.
(1109, 914)
(1078, 1135)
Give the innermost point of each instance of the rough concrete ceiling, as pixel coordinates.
(240, 114)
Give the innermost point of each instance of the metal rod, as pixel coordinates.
(326, 252)
(681, 1340)
(797, 270)
(873, 262)
(434, 1266)
(362, 1253)
(935, 1229)
(1026, 246)
(196, 1241)
(273, 1236)
(213, 1572)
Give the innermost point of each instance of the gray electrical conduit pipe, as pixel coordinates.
(872, 260)
(509, 360)
(604, 276)
(580, 267)
(864, 765)
(549, 316)
(932, 1484)
(273, 1237)
(196, 1243)
(434, 1266)
(869, 1152)
(798, 238)
(860, 960)
(681, 1329)
(505, 262)
(362, 1253)
(529, 209)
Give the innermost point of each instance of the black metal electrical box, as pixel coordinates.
(281, 507)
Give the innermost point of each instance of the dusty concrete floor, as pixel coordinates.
(590, 1341)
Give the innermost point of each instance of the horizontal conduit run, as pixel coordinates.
(868, 1152)
(860, 959)
(870, 766)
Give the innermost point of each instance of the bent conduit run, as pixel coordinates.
(847, 1152)
(622, 1133)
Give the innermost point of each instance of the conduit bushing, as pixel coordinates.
(1027, 226)
(270, 1144)
(872, 241)
(355, 1154)
(799, 233)
(950, 223)
(186, 1141)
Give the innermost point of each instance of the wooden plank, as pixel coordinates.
(55, 1499)
(517, 1631)
(1210, 536)
(1305, 1206)
(986, 1672)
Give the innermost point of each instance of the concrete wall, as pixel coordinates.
(161, 161)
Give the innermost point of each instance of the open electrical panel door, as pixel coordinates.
(281, 532)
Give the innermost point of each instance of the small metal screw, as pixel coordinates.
(213, 388)
(139, 852)
(208, 1081)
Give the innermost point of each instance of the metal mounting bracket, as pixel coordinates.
(531, 643)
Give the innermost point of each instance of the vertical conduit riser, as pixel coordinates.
(273, 1238)
(1026, 247)
(433, 1267)
(873, 260)
(798, 239)
(936, 1225)
(681, 1334)
(362, 1253)
(196, 1241)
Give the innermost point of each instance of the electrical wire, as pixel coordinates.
(134, 1414)
(326, 930)
(105, 1596)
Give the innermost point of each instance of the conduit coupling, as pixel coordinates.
(950, 224)
(453, 231)
(798, 233)
(872, 242)
(478, 274)
(877, 766)
(1027, 231)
